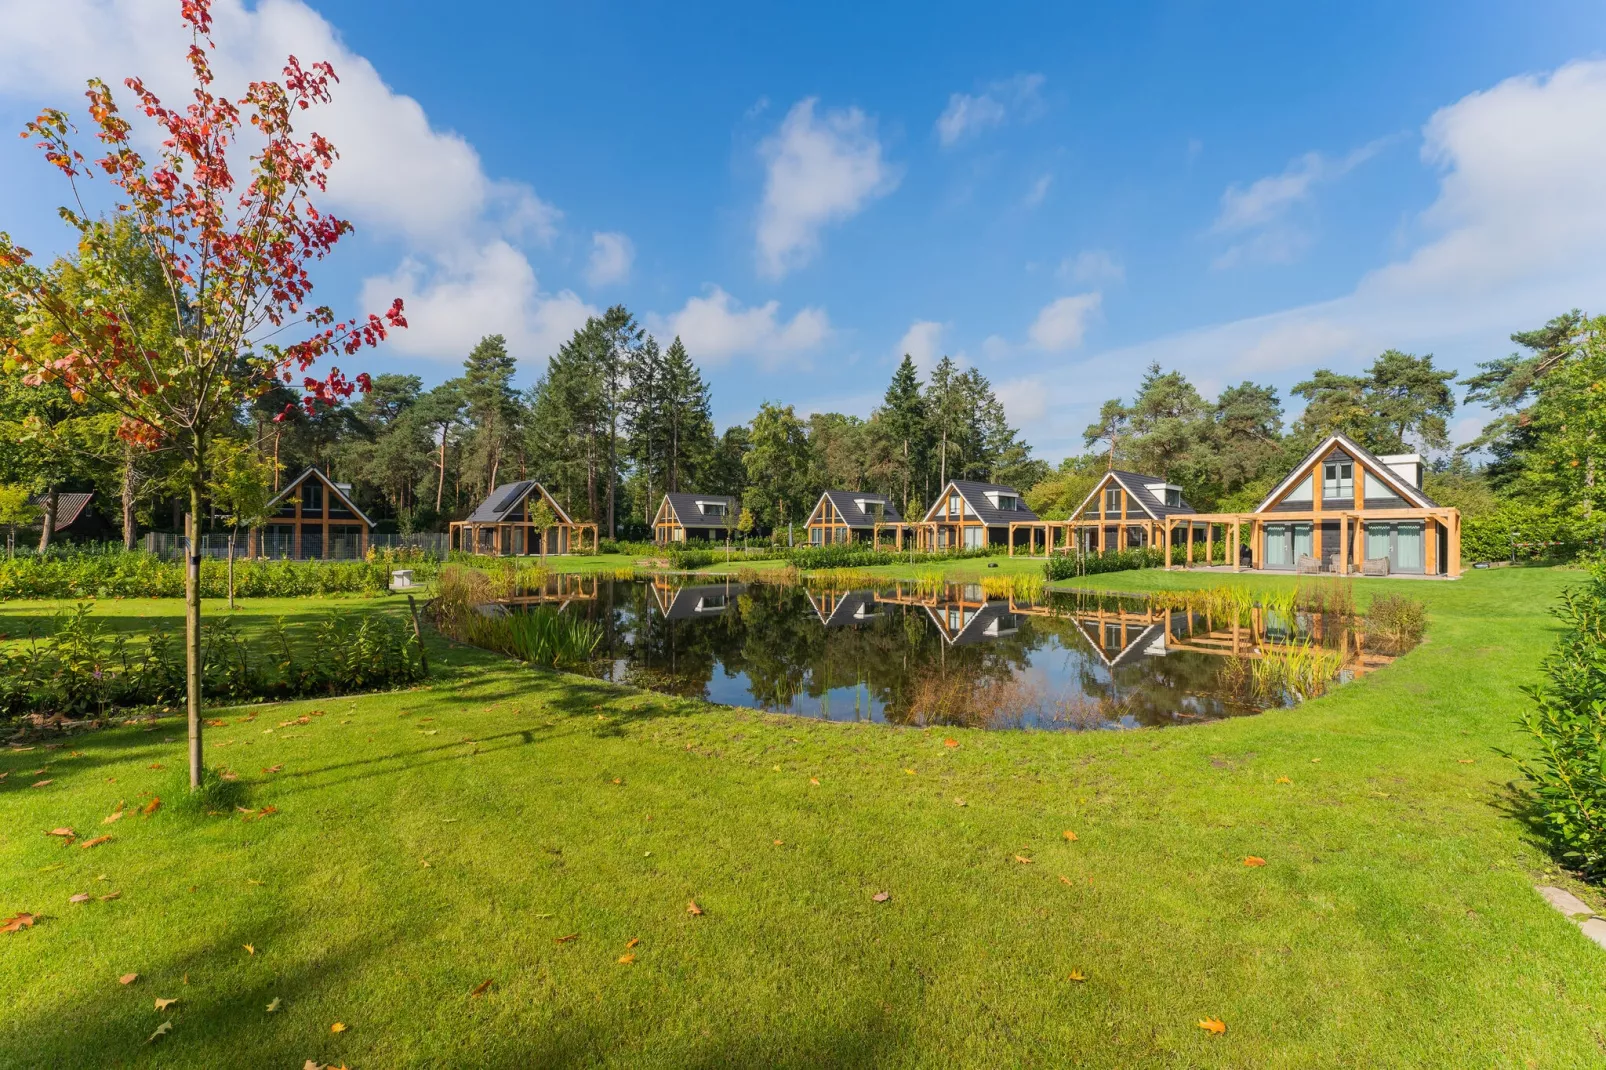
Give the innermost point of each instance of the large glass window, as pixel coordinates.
(1112, 499)
(1400, 543)
(974, 537)
(1285, 543)
(311, 498)
(1338, 479)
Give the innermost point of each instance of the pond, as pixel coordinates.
(954, 654)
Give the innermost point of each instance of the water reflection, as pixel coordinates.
(921, 654)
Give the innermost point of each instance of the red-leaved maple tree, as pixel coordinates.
(231, 254)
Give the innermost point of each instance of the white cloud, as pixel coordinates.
(819, 170)
(1263, 207)
(1061, 325)
(995, 347)
(1025, 400)
(716, 328)
(967, 115)
(922, 342)
(1512, 239)
(1090, 267)
(491, 290)
(612, 254)
(397, 177)
(1038, 192)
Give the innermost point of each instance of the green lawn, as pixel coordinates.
(428, 841)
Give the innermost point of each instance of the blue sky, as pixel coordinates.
(1055, 195)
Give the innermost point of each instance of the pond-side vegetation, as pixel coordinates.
(998, 653)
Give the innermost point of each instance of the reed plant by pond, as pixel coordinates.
(467, 606)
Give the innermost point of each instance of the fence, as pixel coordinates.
(280, 547)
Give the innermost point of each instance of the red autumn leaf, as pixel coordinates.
(1254, 860)
(950, 743)
(693, 909)
(151, 807)
(1213, 1025)
(17, 922)
(96, 842)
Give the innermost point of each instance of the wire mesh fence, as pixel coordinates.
(278, 546)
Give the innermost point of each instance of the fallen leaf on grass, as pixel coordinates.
(161, 1031)
(424, 862)
(1023, 860)
(217, 724)
(64, 831)
(151, 807)
(567, 939)
(1069, 835)
(1077, 975)
(618, 780)
(81, 897)
(1254, 860)
(634, 940)
(1213, 1025)
(960, 802)
(128, 978)
(626, 959)
(17, 922)
(814, 781)
(115, 815)
(1284, 780)
(272, 768)
(109, 896)
(480, 989)
(250, 949)
(42, 783)
(96, 842)
(253, 880)
(338, 1027)
(1466, 761)
(777, 843)
(156, 765)
(911, 772)
(163, 1004)
(275, 1005)
(950, 743)
(1313, 761)
(1064, 879)
(693, 909)
(881, 897)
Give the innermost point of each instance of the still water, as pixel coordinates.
(911, 654)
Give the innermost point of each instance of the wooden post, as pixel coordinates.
(423, 658)
(1430, 547)
(1168, 542)
(1237, 556)
(1190, 544)
(1210, 543)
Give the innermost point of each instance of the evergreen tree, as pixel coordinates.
(690, 444)
(492, 408)
(902, 426)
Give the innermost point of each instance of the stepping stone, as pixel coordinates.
(1564, 901)
(1595, 929)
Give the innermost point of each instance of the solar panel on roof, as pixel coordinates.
(510, 497)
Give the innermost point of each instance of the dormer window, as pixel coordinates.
(1173, 497)
(876, 510)
(1007, 502)
(714, 509)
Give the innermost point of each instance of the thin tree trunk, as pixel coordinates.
(47, 527)
(130, 532)
(192, 625)
(232, 535)
(276, 435)
(440, 486)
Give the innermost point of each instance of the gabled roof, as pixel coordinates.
(854, 607)
(334, 488)
(1137, 487)
(70, 505)
(988, 621)
(846, 503)
(689, 515)
(976, 495)
(1143, 639)
(501, 501)
(1403, 487)
(689, 603)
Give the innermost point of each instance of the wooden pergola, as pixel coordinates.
(505, 537)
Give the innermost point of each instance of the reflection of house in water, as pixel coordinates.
(962, 613)
(851, 607)
(559, 590)
(692, 601)
(1122, 633)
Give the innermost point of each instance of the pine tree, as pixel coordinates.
(903, 418)
(492, 405)
(691, 443)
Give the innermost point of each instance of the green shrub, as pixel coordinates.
(1567, 724)
(1396, 620)
(140, 575)
(1070, 566)
(1547, 530)
(860, 555)
(80, 669)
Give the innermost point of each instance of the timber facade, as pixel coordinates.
(849, 516)
(694, 516)
(313, 518)
(1342, 510)
(502, 526)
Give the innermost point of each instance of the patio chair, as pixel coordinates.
(1375, 566)
(1308, 565)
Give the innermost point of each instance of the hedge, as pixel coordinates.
(1070, 566)
(141, 575)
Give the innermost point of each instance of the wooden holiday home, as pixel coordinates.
(850, 516)
(969, 515)
(694, 516)
(503, 525)
(1129, 511)
(312, 518)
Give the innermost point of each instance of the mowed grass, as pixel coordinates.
(428, 841)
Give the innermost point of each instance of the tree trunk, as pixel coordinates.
(47, 526)
(440, 486)
(232, 535)
(130, 532)
(192, 625)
